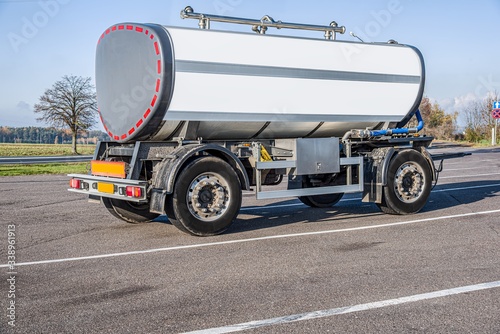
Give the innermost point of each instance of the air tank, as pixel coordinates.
(153, 81)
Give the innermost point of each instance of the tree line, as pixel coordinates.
(71, 105)
(52, 135)
(477, 115)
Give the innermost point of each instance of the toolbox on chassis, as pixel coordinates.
(197, 115)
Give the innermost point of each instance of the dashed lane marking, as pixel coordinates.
(260, 208)
(270, 237)
(348, 309)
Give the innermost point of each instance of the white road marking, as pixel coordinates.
(467, 176)
(461, 162)
(270, 237)
(347, 309)
(250, 208)
(459, 169)
(466, 188)
(262, 208)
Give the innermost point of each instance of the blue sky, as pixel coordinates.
(43, 40)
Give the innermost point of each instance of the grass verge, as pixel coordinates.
(53, 168)
(18, 150)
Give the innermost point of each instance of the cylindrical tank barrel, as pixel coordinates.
(152, 81)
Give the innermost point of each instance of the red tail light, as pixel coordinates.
(75, 184)
(133, 191)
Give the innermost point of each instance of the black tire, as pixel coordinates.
(278, 179)
(206, 197)
(129, 212)
(321, 201)
(409, 184)
(169, 210)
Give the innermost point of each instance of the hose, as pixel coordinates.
(399, 131)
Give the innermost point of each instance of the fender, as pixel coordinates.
(171, 166)
(376, 166)
(421, 149)
(429, 159)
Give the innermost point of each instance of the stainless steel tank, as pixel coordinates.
(153, 80)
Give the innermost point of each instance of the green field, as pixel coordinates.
(55, 168)
(19, 150)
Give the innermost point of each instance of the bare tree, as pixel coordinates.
(71, 103)
(478, 118)
(488, 104)
(474, 129)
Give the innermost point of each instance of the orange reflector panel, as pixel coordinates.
(108, 168)
(108, 188)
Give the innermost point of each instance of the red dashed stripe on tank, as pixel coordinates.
(154, 99)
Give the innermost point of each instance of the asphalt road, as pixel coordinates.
(282, 266)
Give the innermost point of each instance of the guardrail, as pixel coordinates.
(44, 160)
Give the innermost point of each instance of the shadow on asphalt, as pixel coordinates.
(292, 211)
(264, 217)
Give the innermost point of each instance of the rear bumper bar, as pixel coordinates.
(109, 187)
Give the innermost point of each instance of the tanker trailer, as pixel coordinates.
(195, 116)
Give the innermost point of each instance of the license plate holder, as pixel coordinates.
(103, 187)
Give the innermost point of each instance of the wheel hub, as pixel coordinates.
(208, 196)
(205, 196)
(409, 182)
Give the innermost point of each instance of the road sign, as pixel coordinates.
(496, 105)
(495, 113)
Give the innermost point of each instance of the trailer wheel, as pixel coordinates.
(409, 184)
(206, 197)
(321, 201)
(128, 211)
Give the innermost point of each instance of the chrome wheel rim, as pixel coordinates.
(208, 196)
(409, 182)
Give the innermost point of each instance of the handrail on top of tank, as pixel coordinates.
(260, 26)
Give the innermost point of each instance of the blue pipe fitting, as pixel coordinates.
(400, 131)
